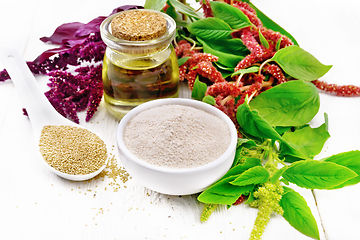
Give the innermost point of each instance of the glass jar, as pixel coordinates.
(135, 72)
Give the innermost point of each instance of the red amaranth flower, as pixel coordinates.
(190, 69)
(184, 49)
(205, 4)
(276, 72)
(249, 12)
(223, 89)
(254, 90)
(241, 199)
(339, 90)
(207, 70)
(274, 37)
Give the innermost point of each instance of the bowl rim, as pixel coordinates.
(177, 101)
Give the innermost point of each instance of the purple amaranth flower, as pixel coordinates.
(79, 43)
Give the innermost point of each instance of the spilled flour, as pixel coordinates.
(176, 136)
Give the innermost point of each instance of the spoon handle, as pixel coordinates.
(37, 105)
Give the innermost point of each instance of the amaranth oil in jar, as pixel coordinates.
(140, 63)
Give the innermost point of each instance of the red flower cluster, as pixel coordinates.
(339, 90)
(197, 64)
(229, 95)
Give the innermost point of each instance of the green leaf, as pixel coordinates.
(252, 123)
(222, 192)
(199, 89)
(234, 46)
(305, 142)
(224, 70)
(300, 64)
(246, 143)
(278, 44)
(226, 59)
(277, 175)
(314, 174)
(350, 160)
(223, 67)
(298, 213)
(254, 175)
(281, 130)
(241, 168)
(270, 24)
(231, 15)
(252, 69)
(293, 103)
(171, 11)
(185, 9)
(263, 40)
(209, 100)
(210, 29)
(250, 198)
(155, 4)
(182, 60)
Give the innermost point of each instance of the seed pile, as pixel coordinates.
(72, 150)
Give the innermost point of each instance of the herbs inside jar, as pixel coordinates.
(139, 63)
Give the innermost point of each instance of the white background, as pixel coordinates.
(36, 204)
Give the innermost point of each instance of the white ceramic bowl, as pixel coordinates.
(176, 181)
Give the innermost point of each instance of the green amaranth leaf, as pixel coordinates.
(223, 192)
(171, 11)
(300, 64)
(227, 59)
(185, 9)
(199, 89)
(252, 123)
(209, 100)
(278, 44)
(210, 29)
(277, 175)
(292, 103)
(298, 213)
(155, 4)
(314, 174)
(223, 67)
(182, 60)
(231, 15)
(254, 175)
(241, 168)
(306, 142)
(252, 69)
(270, 24)
(263, 40)
(245, 143)
(234, 46)
(350, 160)
(281, 130)
(225, 71)
(250, 198)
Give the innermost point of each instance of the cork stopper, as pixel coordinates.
(138, 25)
